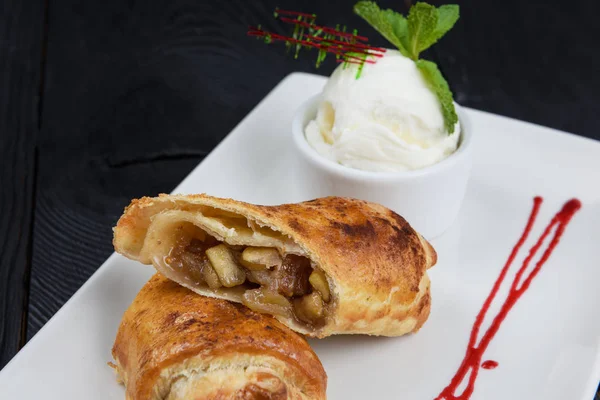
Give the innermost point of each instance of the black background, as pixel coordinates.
(102, 101)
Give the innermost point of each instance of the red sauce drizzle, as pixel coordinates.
(475, 351)
(489, 364)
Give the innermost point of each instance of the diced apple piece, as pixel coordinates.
(259, 258)
(309, 308)
(264, 277)
(267, 302)
(211, 277)
(223, 262)
(318, 281)
(195, 260)
(200, 269)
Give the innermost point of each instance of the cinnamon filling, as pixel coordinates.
(273, 283)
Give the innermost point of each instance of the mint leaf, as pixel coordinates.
(447, 16)
(400, 28)
(427, 25)
(390, 24)
(438, 85)
(424, 26)
(422, 21)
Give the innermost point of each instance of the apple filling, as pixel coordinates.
(286, 285)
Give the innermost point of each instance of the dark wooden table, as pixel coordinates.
(102, 101)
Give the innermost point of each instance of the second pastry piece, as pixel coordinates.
(327, 266)
(175, 345)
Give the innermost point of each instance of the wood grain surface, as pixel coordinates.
(20, 74)
(136, 93)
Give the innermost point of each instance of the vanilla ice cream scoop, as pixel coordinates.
(387, 120)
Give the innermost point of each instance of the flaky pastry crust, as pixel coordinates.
(173, 345)
(375, 262)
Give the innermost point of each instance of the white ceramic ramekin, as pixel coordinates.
(428, 198)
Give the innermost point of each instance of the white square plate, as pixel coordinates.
(548, 347)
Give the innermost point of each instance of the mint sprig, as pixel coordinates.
(424, 26)
(386, 22)
(438, 85)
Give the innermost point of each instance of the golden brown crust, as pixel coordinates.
(377, 262)
(173, 343)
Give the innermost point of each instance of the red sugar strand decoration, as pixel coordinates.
(325, 29)
(347, 47)
(357, 45)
